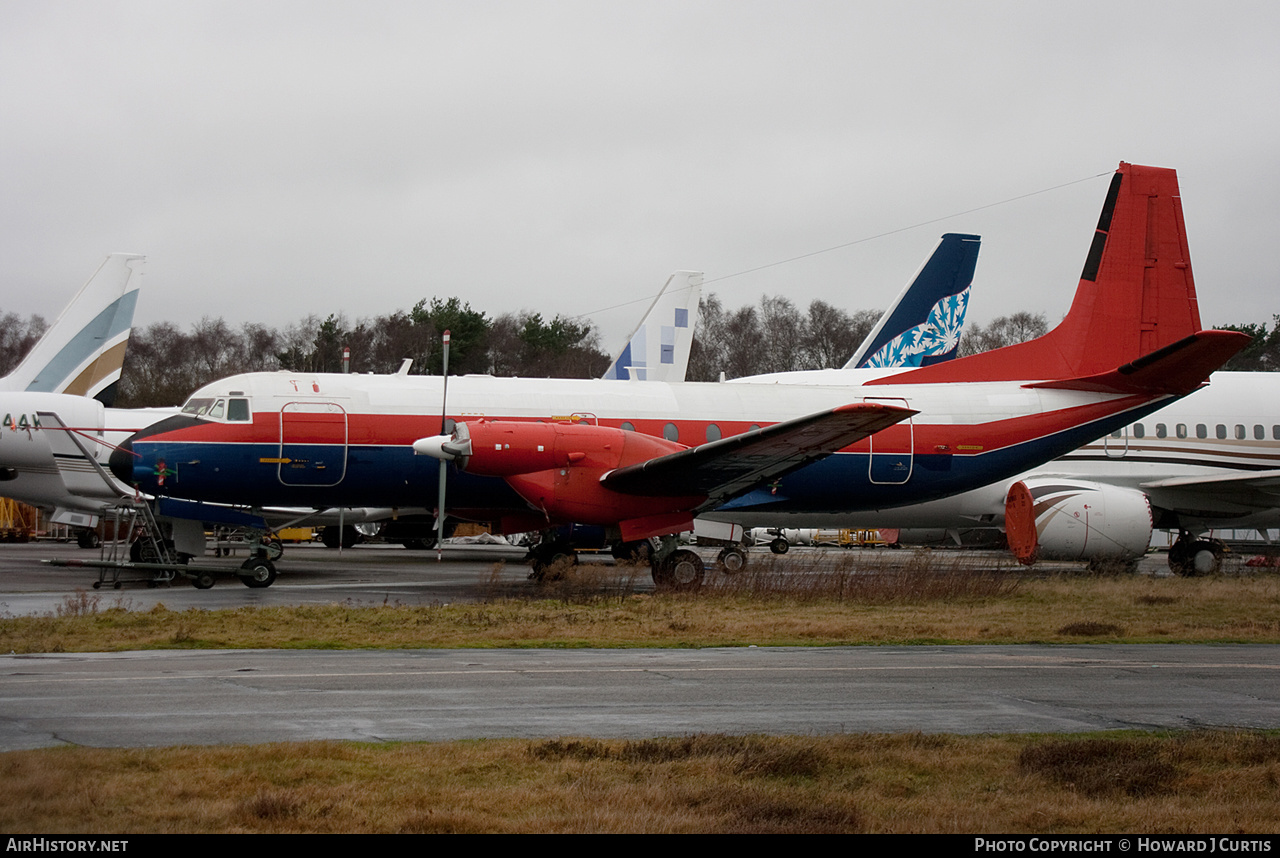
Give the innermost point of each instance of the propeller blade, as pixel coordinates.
(444, 473)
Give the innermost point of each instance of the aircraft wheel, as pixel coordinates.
(683, 570)
(732, 561)
(420, 544)
(1196, 557)
(1206, 557)
(97, 585)
(332, 536)
(779, 546)
(203, 581)
(257, 573)
(88, 539)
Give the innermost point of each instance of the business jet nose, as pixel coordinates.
(121, 461)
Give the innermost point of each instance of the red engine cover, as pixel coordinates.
(557, 467)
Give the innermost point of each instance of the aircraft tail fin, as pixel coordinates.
(1136, 293)
(658, 349)
(83, 352)
(923, 326)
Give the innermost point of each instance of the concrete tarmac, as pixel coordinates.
(179, 697)
(140, 699)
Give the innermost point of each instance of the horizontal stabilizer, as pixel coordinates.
(1176, 369)
(726, 468)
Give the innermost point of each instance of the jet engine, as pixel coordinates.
(1063, 519)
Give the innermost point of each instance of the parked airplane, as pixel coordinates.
(537, 452)
(83, 352)
(1208, 461)
(1211, 460)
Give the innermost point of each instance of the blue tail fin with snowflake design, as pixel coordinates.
(923, 325)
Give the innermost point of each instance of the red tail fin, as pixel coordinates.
(1136, 293)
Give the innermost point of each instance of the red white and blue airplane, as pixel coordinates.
(646, 459)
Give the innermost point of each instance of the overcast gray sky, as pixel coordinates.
(273, 159)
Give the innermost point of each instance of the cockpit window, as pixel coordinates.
(236, 409)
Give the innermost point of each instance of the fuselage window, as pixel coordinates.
(713, 432)
(1139, 431)
(1202, 431)
(1162, 431)
(628, 426)
(1220, 431)
(1240, 432)
(1182, 430)
(1259, 433)
(1119, 433)
(670, 432)
(238, 409)
(1275, 432)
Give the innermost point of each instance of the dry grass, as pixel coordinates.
(595, 606)
(1188, 783)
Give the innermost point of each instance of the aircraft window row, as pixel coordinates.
(1220, 431)
(672, 432)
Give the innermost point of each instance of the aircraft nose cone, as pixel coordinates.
(121, 461)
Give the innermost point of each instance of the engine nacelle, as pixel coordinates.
(510, 447)
(556, 468)
(1064, 519)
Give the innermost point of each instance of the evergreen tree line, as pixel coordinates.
(165, 364)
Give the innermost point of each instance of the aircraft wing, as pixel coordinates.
(1260, 489)
(729, 467)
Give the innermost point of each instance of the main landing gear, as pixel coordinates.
(682, 570)
(1192, 556)
(673, 567)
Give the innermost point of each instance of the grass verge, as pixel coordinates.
(1153, 783)
(597, 606)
